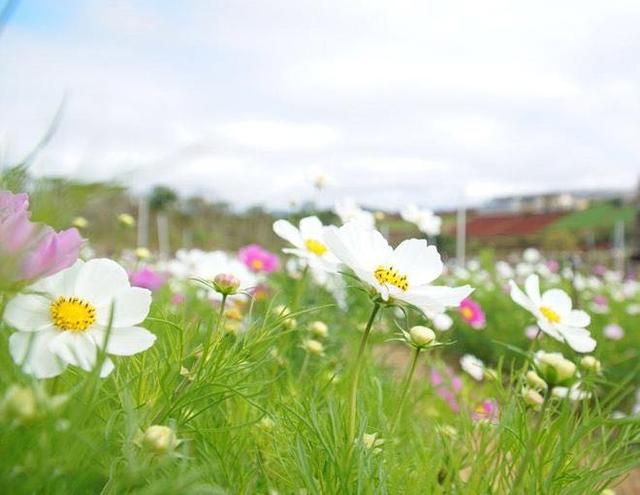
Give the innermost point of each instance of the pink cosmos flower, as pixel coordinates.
(177, 299)
(447, 387)
(472, 313)
(147, 279)
(33, 250)
(486, 411)
(599, 270)
(258, 259)
(553, 266)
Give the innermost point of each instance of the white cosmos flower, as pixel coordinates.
(64, 319)
(425, 220)
(554, 314)
(349, 211)
(403, 274)
(473, 366)
(308, 242)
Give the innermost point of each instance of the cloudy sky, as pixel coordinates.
(396, 101)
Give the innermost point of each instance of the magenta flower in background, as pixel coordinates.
(472, 313)
(177, 299)
(487, 411)
(258, 259)
(599, 270)
(147, 279)
(447, 387)
(33, 250)
(553, 266)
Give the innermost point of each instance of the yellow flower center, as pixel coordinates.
(550, 314)
(466, 312)
(257, 264)
(316, 247)
(72, 313)
(389, 275)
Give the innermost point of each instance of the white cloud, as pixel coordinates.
(277, 136)
(397, 102)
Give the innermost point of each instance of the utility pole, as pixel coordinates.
(635, 238)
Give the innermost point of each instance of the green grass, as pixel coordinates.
(599, 217)
(91, 444)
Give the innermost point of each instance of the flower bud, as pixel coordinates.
(319, 329)
(281, 310)
(142, 253)
(266, 424)
(313, 347)
(533, 398)
(554, 367)
(20, 403)
(80, 222)
(372, 442)
(226, 284)
(422, 336)
(126, 220)
(590, 363)
(534, 381)
(159, 439)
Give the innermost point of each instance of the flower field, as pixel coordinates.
(338, 364)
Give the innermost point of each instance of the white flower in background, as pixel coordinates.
(472, 366)
(633, 309)
(64, 319)
(349, 211)
(473, 265)
(613, 331)
(206, 265)
(532, 332)
(554, 314)
(426, 221)
(401, 274)
(573, 393)
(531, 255)
(524, 269)
(504, 270)
(442, 322)
(308, 242)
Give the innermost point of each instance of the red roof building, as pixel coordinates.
(510, 225)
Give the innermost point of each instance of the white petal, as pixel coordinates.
(420, 263)
(578, 318)
(75, 348)
(578, 339)
(100, 280)
(31, 350)
(107, 367)
(28, 312)
(130, 307)
(558, 300)
(532, 288)
(124, 341)
(311, 228)
(435, 299)
(521, 298)
(62, 283)
(288, 232)
(550, 329)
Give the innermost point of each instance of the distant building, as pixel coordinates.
(548, 202)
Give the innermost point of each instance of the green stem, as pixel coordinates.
(198, 365)
(295, 300)
(529, 449)
(405, 389)
(356, 378)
